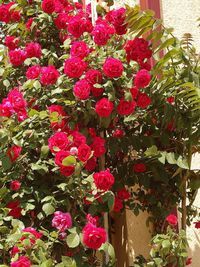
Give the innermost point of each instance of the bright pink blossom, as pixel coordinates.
(62, 221)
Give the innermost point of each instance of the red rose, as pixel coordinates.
(134, 92)
(142, 78)
(104, 107)
(60, 115)
(118, 205)
(22, 115)
(79, 49)
(123, 194)
(93, 76)
(103, 180)
(14, 251)
(61, 21)
(78, 138)
(11, 42)
(102, 32)
(16, 99)
(94, 237)
(76, 26)
(98, 146)
(15, 185)
(14, 152)
(48, 6)
(117, 18)
(33, 72)
(126, 107)
(5, 110)
(60, 156)
(58, 141)
(82, 89)
(171, 100)
(22, 261)
(29, 23)
(137, 49)
(143, 100)
(4, 13)
(67, 170)
(15, 211)
(33, 50)
(84, 152)
(91, 164)
(49, 75)
(74, 67)
(17, 57)
(189, 261)
(113, 68)
(118, 133)
(145, 65)
(172, 219)
(139, 167)
(97, 92)
(197, 225)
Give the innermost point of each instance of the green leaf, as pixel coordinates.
(151, 151)
(68, 262)
(73, 240)
(68, 161)
(44, 151)
(48, 209)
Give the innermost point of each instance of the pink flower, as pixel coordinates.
(49, 75)
(62, 221)
(113, 68)
(22, 261)
(17, 100)
(82, 89)
(33, 72)
(93, 76)
(84, 152)
(76, 26)
(29, 23)
(104, 107)
(74, 67)
(5, 15)
(14, 152)
(17, 57)
(79, 49)
(92, 220)
(14, 251)
(117, 18)
(172, 219)
(58, 141)
(33, 232)
(126, 107)
(33, 50)
(142, 78)
(103, 180)
(15, 185)
(11, 42)
(143, 100)
(102, 32)
(94, 237)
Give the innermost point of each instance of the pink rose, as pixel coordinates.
(62, 221)
(48, 6)
(22, 261)
(82, 89)
(142, 78)
(94, 237)
(17, 57)
(17, 100)
(172, 219)
(49, 75)
(93, 76)
(60, 156)
(113, 68)
(74, 67)
(103, 180)
(33, 72)
(76, 26)
(33, 50)
(33, 232)
(61, 21)
(79, 49)
(102, 32)
(104, 107)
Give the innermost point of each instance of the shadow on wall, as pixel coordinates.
(194, 243)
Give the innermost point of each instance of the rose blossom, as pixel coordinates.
(126, 107)
(82, 89)
(29, 23)
(91, 164)
(33, 72)
(134, 92)
(11, 42)
(143, 100)
(79, 49)
(14, 152)
(58, 141)
(104, 107)
(74, 67)
(33, 50)
(17, 100)
(98, 146)
(67, 170)
(49, 75)
(102, 32)
(17, 57)
(62, 221)
(33, 232)
(123, 194)
(139, 167)
(48, 6)
(61, 21)
(15, 185)
(103, 180)
(15, 209)
(78, 138)
(172, 219)
(4, 13)
(60, 156)
(94, 237)
(142, 78)
(113, 68)
(84, 152)
(118, 133)
(118, 205)
(22, 261)
(93, 76)
(76, 26)
(14, 251)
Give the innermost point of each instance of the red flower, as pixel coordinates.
(84, 152)
(139, 167)
(104, 107)
(11, 42)
(126, 107)
(49, 75)
(33, 72)
(103, 180)
(14, 251)
(15, 185)
(17, 57)
(15, 211)
(189, 261)
(117, 18)
(48, 6)
(16, 99)
(74, 67)
(79, 49)
(60, 156)
(94, 237)
(58, 141)
(33, 50)
(97, 92)
(14, 152)
(113, 68)
(67, 170)
(29, 23)
(22, 261)
(171, 99)
(197, 225)
(78, 138)
(92, 220)
(82, 89)
(98, 146)
(4, 13)
(134, 92)
(142, 78)
(172, 219)
(118, 205)
(93, 76)
(123, 194)
(118, 133)
(91, 164)
(62, 221)
(102, 32)
(33, 232)
(61, 21)
(143, 100)
(76, 26)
